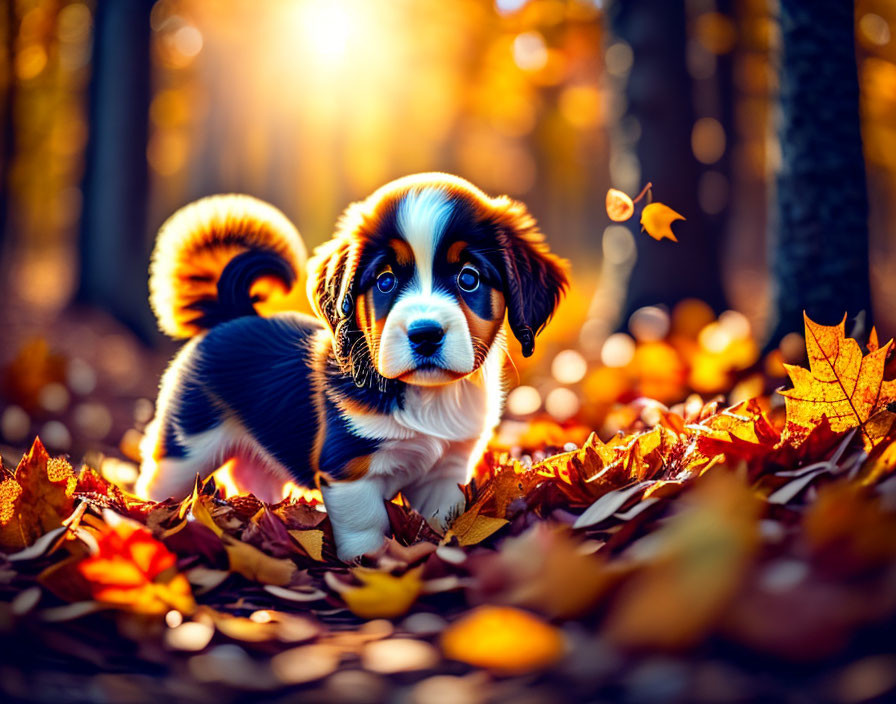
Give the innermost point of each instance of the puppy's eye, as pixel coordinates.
(385, 282)
(468, 279)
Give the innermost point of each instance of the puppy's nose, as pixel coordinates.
(425, 337)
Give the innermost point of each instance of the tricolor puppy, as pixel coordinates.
(395, 386)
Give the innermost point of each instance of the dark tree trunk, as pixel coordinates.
(114, 246)
(7, 124)
(658, 96)
(820, 240)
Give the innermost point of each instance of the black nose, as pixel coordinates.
(425, 337)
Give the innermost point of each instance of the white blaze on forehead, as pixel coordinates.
(422, 217)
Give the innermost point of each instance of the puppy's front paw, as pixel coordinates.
(442, 507)
(356, 545)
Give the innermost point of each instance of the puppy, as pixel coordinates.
(398, 382)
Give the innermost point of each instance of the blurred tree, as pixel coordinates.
(114, 246)
(819, 241)
(658, 106)
(7, 117)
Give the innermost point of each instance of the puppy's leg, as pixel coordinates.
(358, 515)
(166, 474)
(437, 496)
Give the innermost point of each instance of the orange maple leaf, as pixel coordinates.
(35, 499)
(840, 385)
(133, 570)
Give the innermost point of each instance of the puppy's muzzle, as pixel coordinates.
(426, 337)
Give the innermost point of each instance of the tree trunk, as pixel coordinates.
(658, 102)
(114, 246)
(819, 251)
(7, 125)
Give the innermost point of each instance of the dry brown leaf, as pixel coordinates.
(701, 556)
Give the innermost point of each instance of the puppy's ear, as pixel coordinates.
(330, 275)
(534, 279)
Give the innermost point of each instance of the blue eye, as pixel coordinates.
(468, 279)
(385, 282)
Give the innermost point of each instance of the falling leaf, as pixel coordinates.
(619, 206)
(657, 219)
(840, 385)
(134, 571)
(36, 499)
(382, 595)
(503, 639)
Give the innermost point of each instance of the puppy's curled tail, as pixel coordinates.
(210, 253)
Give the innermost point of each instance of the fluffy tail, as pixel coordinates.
(209, 254)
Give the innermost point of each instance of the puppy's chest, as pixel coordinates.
(432, 423)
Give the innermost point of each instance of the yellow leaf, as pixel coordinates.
(840, 384)
(36, 499)
(502, 639)
(619, 206)
(382, 595)
(472, 527)
(312, 542)
(657, 219)
(253, 564)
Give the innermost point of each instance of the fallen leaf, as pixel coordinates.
(134, 571)
(619, 206)
(382, 595)
(608, 504)
(840, 385)
(311, 541)
(256, 565)
(503, 639)
(657, 219)
(36, 499)
(547, 570)
(701, 555)
(473, 527)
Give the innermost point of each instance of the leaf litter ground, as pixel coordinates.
(738, 553)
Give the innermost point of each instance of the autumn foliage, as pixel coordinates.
(664, 537)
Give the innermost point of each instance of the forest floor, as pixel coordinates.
(703, 552)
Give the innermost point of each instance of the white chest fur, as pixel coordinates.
(428, 448)
(435, 423)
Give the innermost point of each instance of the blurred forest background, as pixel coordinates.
(114, 113)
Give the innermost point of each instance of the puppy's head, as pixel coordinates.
(417, 279)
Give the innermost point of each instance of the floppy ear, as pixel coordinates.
(330, 274)
(534, 279)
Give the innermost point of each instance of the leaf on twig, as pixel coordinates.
(657, 219)
(619, 205)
